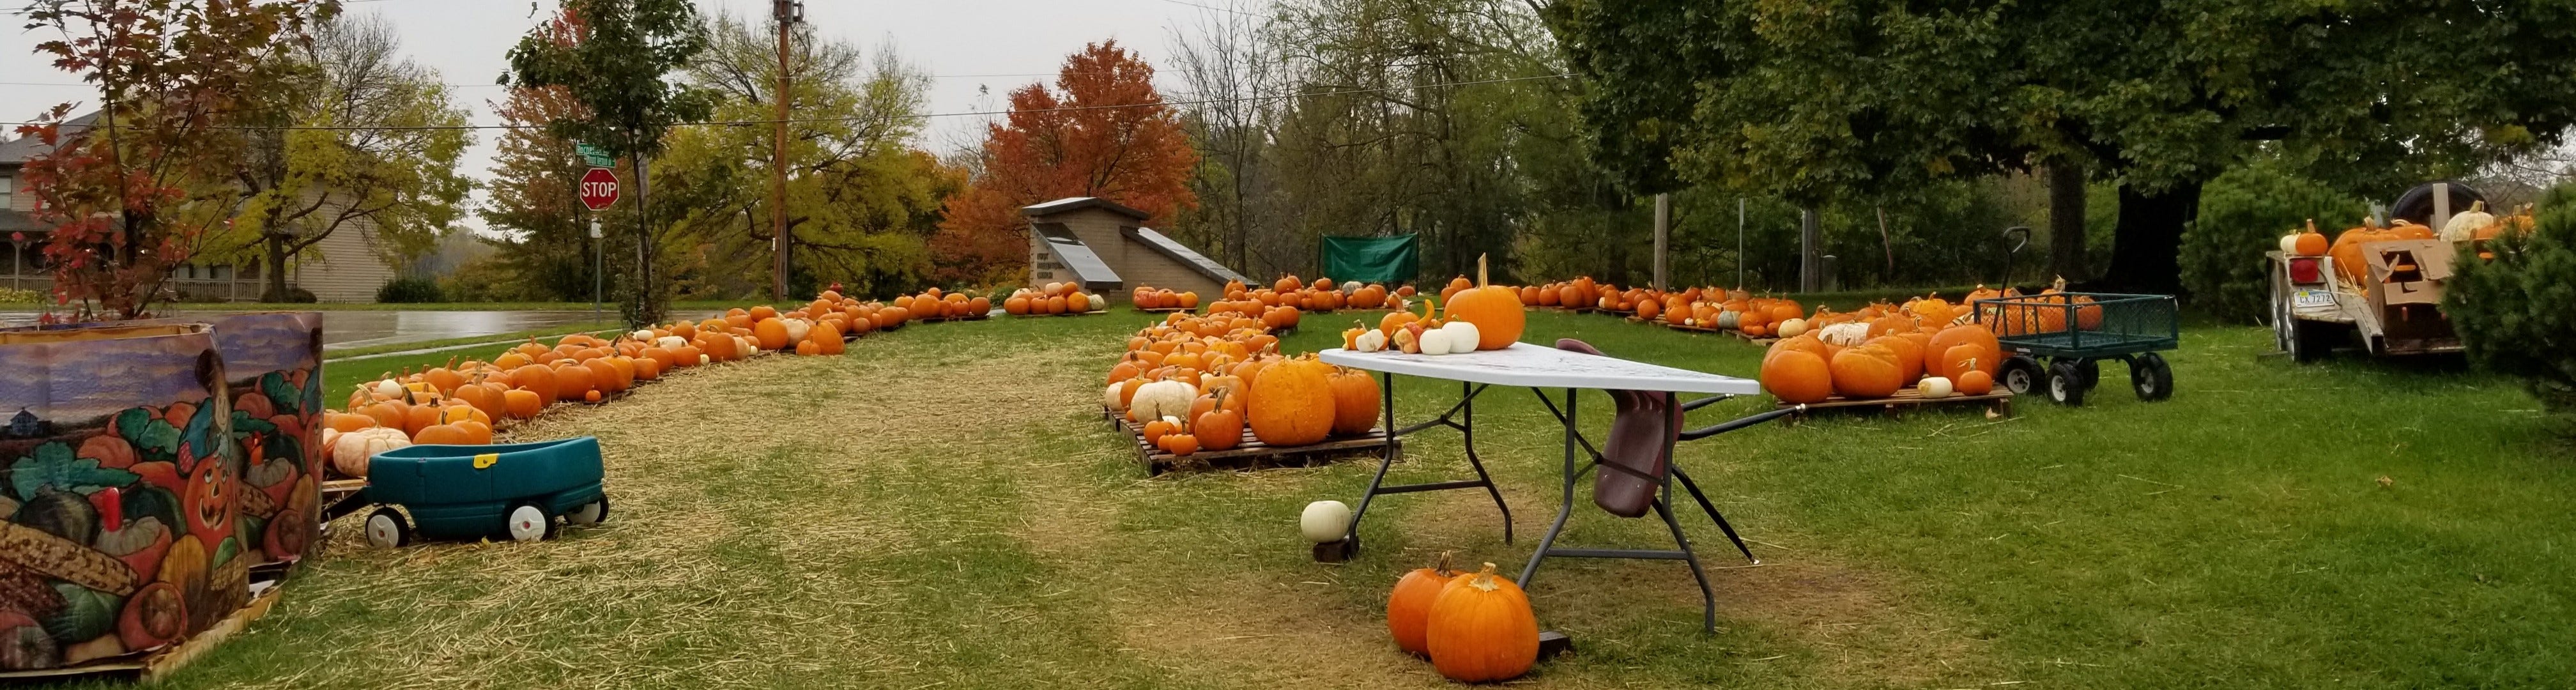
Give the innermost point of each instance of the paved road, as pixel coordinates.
(347, 329)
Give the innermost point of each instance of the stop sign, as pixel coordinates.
(598, 189)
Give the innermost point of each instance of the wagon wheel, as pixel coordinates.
(2066, 384)
(591, 513)
(2151, 376)
(386, 529)
(2021, 374)
(529, 523)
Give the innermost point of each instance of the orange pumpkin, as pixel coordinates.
(574, 382)
(1355, 401)
(771, 333)
(1973, 383)
(1868, 371)
(1990, 351)
(1481, 629)
(1496, 310)
(521, 404)
(1220, 427)
(1797, 375)
(340, 422)
(1292, 402)
(443, 434)
(1909, 357)
(1408, 608)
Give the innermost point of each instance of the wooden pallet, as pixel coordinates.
(1086, 313)
(1166, 310)
(1250, 453)
(158, 664)
(2000, 401)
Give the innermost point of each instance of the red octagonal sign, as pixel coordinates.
(598, 189)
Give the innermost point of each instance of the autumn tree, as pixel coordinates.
(1102, 131)
(361, 135)
(614, 66)
(135, 191)
(861, 202)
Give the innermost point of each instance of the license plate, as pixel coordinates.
(2312, 298)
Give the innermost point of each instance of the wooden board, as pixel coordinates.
(1165, 310)
(1087, 313)
(1250, 453)
(1739, 335)
(1998, 400)
(155, 665)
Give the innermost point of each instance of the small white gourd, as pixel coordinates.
(1372, 341)
(1324, 521)
(390, 389)
(1933, 387)
(1434, 341)
(1462, 336)
(641, 335)
(670, 342)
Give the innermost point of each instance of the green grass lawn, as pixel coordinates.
(942, 507)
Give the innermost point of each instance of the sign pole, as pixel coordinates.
(598, 270)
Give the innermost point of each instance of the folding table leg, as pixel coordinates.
(1565, 508)
(1467, 430)
(1349, 546)
(1712, 514)
(1708, 597)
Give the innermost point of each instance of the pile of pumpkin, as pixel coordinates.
(1049, 300)
(1319, 295)
(1150, 297)
(931, 304)
(1196, 383)
(2472, 229)
(1881, 349)
(1486, 317)
(1574, 294)
(1727, 310)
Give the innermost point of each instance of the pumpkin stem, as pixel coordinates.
(1480, 271)
(1445, 568)
(1484, 581)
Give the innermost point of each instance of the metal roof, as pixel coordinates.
(1078, 258)
(1077, 203)
(1196, 262)
(17, 151)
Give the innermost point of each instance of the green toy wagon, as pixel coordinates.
(2055, 342)
(465, 492)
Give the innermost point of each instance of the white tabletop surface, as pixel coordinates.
(1524, 364)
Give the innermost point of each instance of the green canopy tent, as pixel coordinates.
(1388, 260)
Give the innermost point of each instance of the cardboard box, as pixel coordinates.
(2406, 290)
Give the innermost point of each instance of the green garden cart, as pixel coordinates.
(2056, 342)
(463, 492)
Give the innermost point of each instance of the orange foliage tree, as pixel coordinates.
(1103, 131)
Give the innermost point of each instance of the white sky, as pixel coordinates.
(1000, 44)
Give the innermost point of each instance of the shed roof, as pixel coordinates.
(1079, 258)
(1076, 203)
(1178, 252)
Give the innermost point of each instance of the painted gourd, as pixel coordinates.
(1481, 629)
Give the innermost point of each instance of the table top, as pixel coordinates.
(1533, 366)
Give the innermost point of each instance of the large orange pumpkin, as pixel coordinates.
(1408, 608)
(1292, 402)
(1909, 357)
(1868, 371)
(1797, 375)
(1481, 629)
(1355, 401)
(1496, 311)
(1990, 351)
(772, 334)
(574, 382)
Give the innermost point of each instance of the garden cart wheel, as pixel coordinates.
(591, 513)
(529, 523)
(2066, 384)
(386, 529)
(2021, 374)
(2092, 370)
(2151, 376)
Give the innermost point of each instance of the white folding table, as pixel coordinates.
(1539, 369)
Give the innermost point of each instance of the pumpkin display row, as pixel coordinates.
(460, 404)
(1859, 357)
(1196, 383)
(1479, 317)
(1048, 300)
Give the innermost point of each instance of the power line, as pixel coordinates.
(922, 116)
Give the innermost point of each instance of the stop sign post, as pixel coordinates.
(598, 189)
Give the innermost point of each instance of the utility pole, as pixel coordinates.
(789, 13)
(1663, 236)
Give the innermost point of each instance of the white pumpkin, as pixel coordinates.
(670, 342)
(1793, 328)
(1933, 387)
(1435, 341)
(390, 389)
(1161, 399)
(642, 335)
(1372, 341)
(2290, 244)
(1110, 400)
(1324, 521)
(796, 330)
(349, 452)
(1462, 336)
(2464, 227)
(1844, 334)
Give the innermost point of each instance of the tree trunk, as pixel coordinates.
(2066, 220)
(276, 273)
(2148, 243)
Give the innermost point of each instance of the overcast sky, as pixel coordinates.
(969, 44)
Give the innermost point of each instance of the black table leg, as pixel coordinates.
(1467, 431)
(1565, 508)
(1349, 545)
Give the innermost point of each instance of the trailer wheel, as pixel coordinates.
(2151, 376)
(2066, 384)
(529, 523)
(591, 513)
(386, 529)
(2021, 374)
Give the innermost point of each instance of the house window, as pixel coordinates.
(8, 190)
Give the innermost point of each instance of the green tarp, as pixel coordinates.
(1388, 260)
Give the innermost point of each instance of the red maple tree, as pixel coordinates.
(1103, 131)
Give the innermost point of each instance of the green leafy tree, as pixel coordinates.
(2512, 311)
(2244, 213)
(359, 137)
(137, 190)
(613, 62)
(1809, 101)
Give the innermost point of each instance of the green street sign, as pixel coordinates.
(592, 156)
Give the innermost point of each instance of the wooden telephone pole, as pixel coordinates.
(789, 14)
